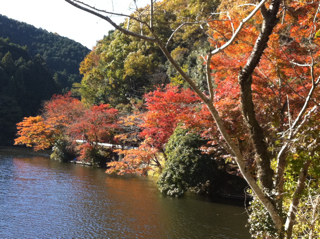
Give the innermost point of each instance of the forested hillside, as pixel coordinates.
(115, 76)
(25, 82)
(62, 55)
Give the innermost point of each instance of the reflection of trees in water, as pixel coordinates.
(88, 203)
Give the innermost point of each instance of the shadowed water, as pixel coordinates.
(40, 198)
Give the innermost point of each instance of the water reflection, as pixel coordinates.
(40, 198)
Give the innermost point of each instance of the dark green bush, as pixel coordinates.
(187, 167)
(63, 151)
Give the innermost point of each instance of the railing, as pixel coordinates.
(117, 146)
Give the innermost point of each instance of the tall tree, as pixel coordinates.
(263, 19)
(97, 125)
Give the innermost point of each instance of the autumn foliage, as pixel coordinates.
(278, 80)
(262, 94)
(96, 125)
(33, 131)
(164, 110)
(66, 119)
(43, 131)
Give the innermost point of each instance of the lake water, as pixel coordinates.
(40, 198)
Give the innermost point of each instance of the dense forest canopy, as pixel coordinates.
(123, 67)
(35, 64)
(25, 82)
(61, 54)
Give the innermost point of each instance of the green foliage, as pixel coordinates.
(63, 151)
(187, 168)
(123, 67)
(95, 154)
(307, 218)
(117, 69)
(10, 112)
(260, 222)
(8, 62)
(192, 62)
(62, 55)
(24, 84)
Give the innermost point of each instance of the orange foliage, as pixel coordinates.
(277, 76)
(43, 131)
(63, 107)
(136, 160)
(34, 131)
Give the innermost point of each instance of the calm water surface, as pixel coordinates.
(40, 198)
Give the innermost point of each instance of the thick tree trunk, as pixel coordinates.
(265, 172)
(257, 135)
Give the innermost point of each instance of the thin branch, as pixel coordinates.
(291, 88)
(284, 80)
(183, 24)
(281, 159)
(315, 214)
(112, 6)
(298, 64)
(209, 77)
(295, 71)
(230, 23)
(103, 11)
(247, 4)
(283, 15)
(239, 28)
(177, 29)
(128, 25)
(151, 15)
(137, 8)
(307, 116)
(315, 16)
(130, 33)
(268, 79)
(306, 103)
(289, 115)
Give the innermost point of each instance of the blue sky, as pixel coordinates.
(60, 17)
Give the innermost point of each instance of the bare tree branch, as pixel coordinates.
(281, 159)
(127, 32)
(209, 77)
(177, 29)
(239, 28)
(183, 24)
(103, 11)
(151, 15)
